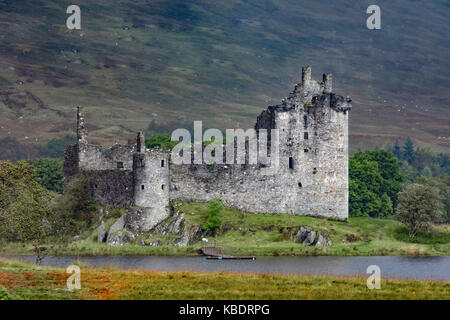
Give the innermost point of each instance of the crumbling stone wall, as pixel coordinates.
(70, 166)
(111, 187)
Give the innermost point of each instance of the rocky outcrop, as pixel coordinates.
(308, 237)
(116, 233)
(139, 219)
(119, 238)
(174, 225)
(171, 231)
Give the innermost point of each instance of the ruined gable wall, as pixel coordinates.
(92, 157)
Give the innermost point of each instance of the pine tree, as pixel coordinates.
(408, 151)
(397, 151)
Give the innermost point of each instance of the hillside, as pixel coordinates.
(167, 63)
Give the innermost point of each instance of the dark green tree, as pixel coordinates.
(48, 173)
(365, 197)
(76, 205)
(55, 148)
(389, 169)
(397, 151)
(408, 151)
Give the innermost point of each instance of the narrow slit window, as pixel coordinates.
(300, 185)
(162, 163)
(162, 187)
(314, 170)
(305, 120)
(305, 135)
(142, 187)
(306, 150)
(291, 163)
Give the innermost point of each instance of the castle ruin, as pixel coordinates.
(311, 178)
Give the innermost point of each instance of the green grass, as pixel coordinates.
(432, 237)
(268, 235)
(20, 280)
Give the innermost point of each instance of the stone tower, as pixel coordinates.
(151, 183)
(313, 128)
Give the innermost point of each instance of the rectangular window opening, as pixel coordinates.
(162, 187)
(120, 165)
(291, 163)
(162, 163)
(305, 135)
(142, 187)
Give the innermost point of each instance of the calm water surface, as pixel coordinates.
(435, 268)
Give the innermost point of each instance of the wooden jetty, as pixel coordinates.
(216, 253)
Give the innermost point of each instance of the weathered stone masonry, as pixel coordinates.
(312, 177)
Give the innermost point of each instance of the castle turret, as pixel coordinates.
(306, 74)
(82, 132)
(140, 142)
(327, 83)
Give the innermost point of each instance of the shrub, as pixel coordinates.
(351, 238)
(432, 237)
(214, 222)
(418, 207)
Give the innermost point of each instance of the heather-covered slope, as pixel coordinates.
(222, 62)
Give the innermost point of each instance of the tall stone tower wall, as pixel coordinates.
(312, 177)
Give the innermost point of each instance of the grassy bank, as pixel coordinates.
(20, 280)
(268, 235)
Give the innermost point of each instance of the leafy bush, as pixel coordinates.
(214, 222)
(418, 207)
